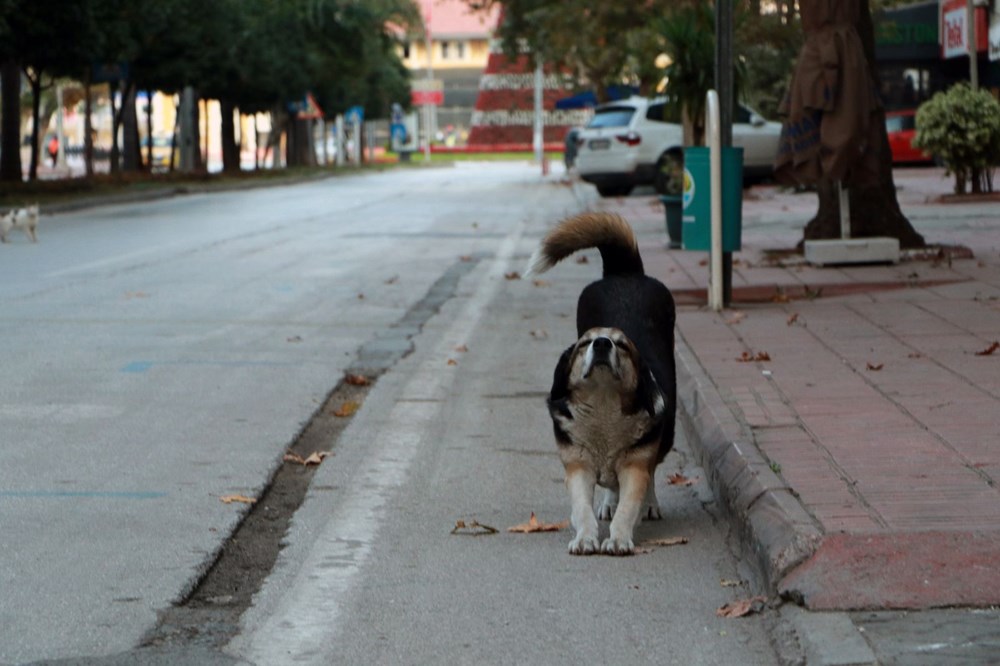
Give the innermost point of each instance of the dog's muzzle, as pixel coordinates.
(601, 353)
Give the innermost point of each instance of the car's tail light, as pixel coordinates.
(630, 139)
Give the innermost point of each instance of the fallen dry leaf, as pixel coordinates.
(452, 361)
(347, 409)
(513, 275)
(540, 334)
(989, 350)
(472, 528)
(729, 582)
(534, 526)
(666, 541)
(749, 357)
(914, 355)
(681, 480)
(314, 458)
(874, 367)
(736, 318)
(356, 380)
(461, 349)
(540, 283)
(242, 499)
(129, 295)
(465, 258)
(393, 280)
(742, 607)
(294, 338)
(792, 318)
(780, 297)
(361, 297)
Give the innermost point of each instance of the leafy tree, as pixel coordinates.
(767, 44)
(689, 35)
(600, 43)
(251, 55)
(38, 39)
(961, 127)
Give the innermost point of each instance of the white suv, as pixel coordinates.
(629, 143)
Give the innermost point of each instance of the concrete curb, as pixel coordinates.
(775, 526)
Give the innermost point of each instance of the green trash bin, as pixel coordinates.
(697, 217)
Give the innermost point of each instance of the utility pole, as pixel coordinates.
(537, 138)
(430, 77)
(970, 34)
(60, 134)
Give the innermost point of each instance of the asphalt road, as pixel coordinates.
(159, 356)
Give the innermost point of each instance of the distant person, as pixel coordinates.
(54, 150)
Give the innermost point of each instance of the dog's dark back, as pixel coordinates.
(625, 298)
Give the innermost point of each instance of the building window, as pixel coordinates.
(460, 50)
(406, 50)
(445, 50)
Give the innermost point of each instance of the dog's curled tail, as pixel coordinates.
(608, 232)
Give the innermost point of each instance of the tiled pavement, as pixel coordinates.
(859, 446)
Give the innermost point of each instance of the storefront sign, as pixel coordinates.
(954, 31)
(955, 28)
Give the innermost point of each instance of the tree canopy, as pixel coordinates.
(252, 54)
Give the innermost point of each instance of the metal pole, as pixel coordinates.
(970, 34)
(845, 210)
(430, 77)
(536, 139)
(60, 134)
(724, 84)
(715, 293)
(338, 140)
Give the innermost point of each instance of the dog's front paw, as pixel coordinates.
(583, 544)
(620, 546)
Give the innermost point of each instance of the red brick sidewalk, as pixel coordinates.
(849, 415)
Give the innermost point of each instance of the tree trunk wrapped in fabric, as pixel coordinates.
(834, 130)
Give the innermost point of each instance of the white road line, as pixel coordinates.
(306, 618)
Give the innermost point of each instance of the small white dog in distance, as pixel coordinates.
(25, 219)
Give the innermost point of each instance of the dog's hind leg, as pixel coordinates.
(580, 481)
(635, 480)
(606, 511)
(650, 505)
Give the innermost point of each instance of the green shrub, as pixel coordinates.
(961, 127)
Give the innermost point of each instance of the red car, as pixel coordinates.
(901, 127)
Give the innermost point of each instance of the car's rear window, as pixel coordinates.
(899, 123)
(660, 112)
(612, 116)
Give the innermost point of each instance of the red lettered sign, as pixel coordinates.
(429, 97)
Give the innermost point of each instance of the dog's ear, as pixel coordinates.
(560, 378)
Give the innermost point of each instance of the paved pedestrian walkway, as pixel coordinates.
(850, 415)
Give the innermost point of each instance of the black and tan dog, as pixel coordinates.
(613, 394)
